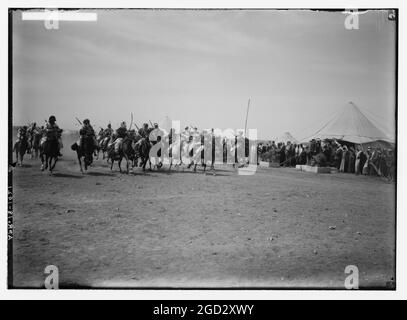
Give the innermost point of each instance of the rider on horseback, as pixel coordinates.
(52, 131)
(108, 131)
(144, 131)
(32, 131)
(117, 138)
(156, 134)
(121, 131)
(21, 133)
(87, 132)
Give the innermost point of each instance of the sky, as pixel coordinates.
(201, 66)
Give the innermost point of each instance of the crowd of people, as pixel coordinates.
(348, 158)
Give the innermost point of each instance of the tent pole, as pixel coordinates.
(247, 115)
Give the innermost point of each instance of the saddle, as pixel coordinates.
(116, 145)
(42, 141)
(104, 141)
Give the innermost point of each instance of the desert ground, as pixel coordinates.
(279, 228)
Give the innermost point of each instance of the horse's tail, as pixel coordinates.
(75, 147)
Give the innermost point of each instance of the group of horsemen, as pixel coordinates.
(106, 137)
(31, 133)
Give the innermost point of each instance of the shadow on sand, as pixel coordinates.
(66, 175)
(99, 174)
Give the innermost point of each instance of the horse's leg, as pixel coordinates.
(49, 164)
(46, 161)
(55, 162)
(42, 161)
(195, 166)
(127, 164)
(143, 164)
(120, 164)
(80, 162)
(111, 166)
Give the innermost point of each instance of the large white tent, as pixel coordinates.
(351, 125)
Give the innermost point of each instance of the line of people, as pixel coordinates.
(348, 159)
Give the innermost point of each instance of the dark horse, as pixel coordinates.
(49, 150)
(84, 151)
(125, 151)
(20, 148)
(142, 150)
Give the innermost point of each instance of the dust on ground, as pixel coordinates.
(278, 228)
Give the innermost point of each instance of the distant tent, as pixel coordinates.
(351, 125)
(287, 137)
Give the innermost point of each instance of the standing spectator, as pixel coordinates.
(342, 167)
(366, 166)
(358, 160)
(351, 162)
(338, 157)
(282, 155)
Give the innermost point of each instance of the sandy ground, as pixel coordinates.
(184, 229)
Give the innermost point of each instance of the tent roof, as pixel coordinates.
(350, 124)
(286, 137)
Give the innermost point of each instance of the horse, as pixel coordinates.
(85, 151)
(35, 144)
(20, 148)
(195, 153)
(103, 143)
(142, 150)
(125, 150)
(50, 150)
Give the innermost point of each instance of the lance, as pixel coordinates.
(151, 124)
(131, 122)
(78, 120)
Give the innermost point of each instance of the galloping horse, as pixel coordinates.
(35, 144)
(20, 148)
(50, 150)
(125, 150)
(103, 142)
(84, 151)
(142, 150)
(193, 148)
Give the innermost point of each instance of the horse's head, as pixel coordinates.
(24, 135)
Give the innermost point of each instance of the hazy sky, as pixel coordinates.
(200, 67)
